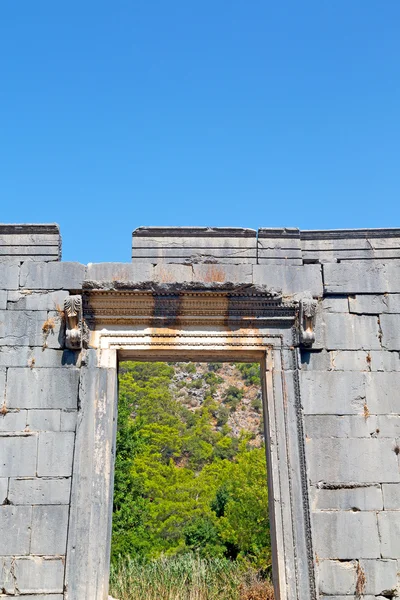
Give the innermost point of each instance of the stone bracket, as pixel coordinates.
(307, 318)
(75, 327)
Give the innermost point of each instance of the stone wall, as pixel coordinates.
(349, 387)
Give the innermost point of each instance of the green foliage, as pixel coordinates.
(250, 372)
(256, 404)
(181, 484)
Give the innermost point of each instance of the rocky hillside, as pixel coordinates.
(231, 391)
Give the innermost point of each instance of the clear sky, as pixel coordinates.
(116, 114)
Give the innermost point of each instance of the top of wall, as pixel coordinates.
(287, 245)
(22, 242)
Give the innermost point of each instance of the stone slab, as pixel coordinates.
(49, 530)
(290, 279)
(345, 535)
(24, 356)
(344, 460)
(350, 332)
(44, 420)
(391, 496)
(55, 454)
(18, 456)
(9, 275)
(28, 300)
(389, 531)
(39, 575)
(223, 273)
(390, 325)
(362, 277)
(110, 275)
(52, 276)
(68, 420)
(39, 491)
(15, 529)
(352, 426)
(42, 388)
(352, 498)
(13, 421)
(337, 577)
(3, 489)
(337, 393)
(22, 328)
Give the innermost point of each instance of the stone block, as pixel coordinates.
(382, 393)
(170, 273)
(15, 529)
(352, 460)
(331, 392)
(39, 491)
(18, 456)
(365, 360)
(3, 489)
(52, 276)
(68, 420)
(289, 279)
(55, 454)
(28, 300)
(222, 273)
(6, 578)
(315, 360)
(335, 304)
(362, 277)
(39, 575)
(42, 388)
(110, 275)
(3, 299)
(350, 498)
(49, 530)
(391, 496)
(9, 275)
(390, 325)
(44, 420)
(380, 575)
(22, 328)
(13, 421)
(23, 356)
(345, 535)
(375, 304)
(343, 426)
(389, 531)
(337, 577)
(350, 332)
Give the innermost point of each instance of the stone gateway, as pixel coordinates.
(319, 310)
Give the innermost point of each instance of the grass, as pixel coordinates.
(187, 577)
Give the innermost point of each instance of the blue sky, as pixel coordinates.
(251, 113)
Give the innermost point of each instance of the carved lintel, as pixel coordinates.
(307, 317)
(75, 328)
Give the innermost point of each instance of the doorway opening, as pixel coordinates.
(190, 509)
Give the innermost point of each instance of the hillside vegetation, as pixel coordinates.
(190, 496)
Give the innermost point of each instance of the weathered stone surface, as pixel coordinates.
(338, 393)
(22, 328)
(380, 575)
(365, 360)
(42, 388)
(3, 489)
(52, 276)
(18, 456)
(391, 496)
(362, 277)
(49, 530)
(55, 454)
(28, 300)
(23, 356)
(334, 535)
(354, 426)
(337, 577)
(348, 460)
(3, 299)
(335, 304)
(44, 420)
(222, 273)
(374, 304)
(290, 279)
(351, 498)
(382, 395)
(39, 575)
(13, 421)
(389, 531)
(171, 273)
(39, 491)
(350, 332)
(9, 276)
(15, 529)
(390, 325)
(68, 420)
(110, 275)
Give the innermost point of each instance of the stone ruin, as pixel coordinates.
(320, 311)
